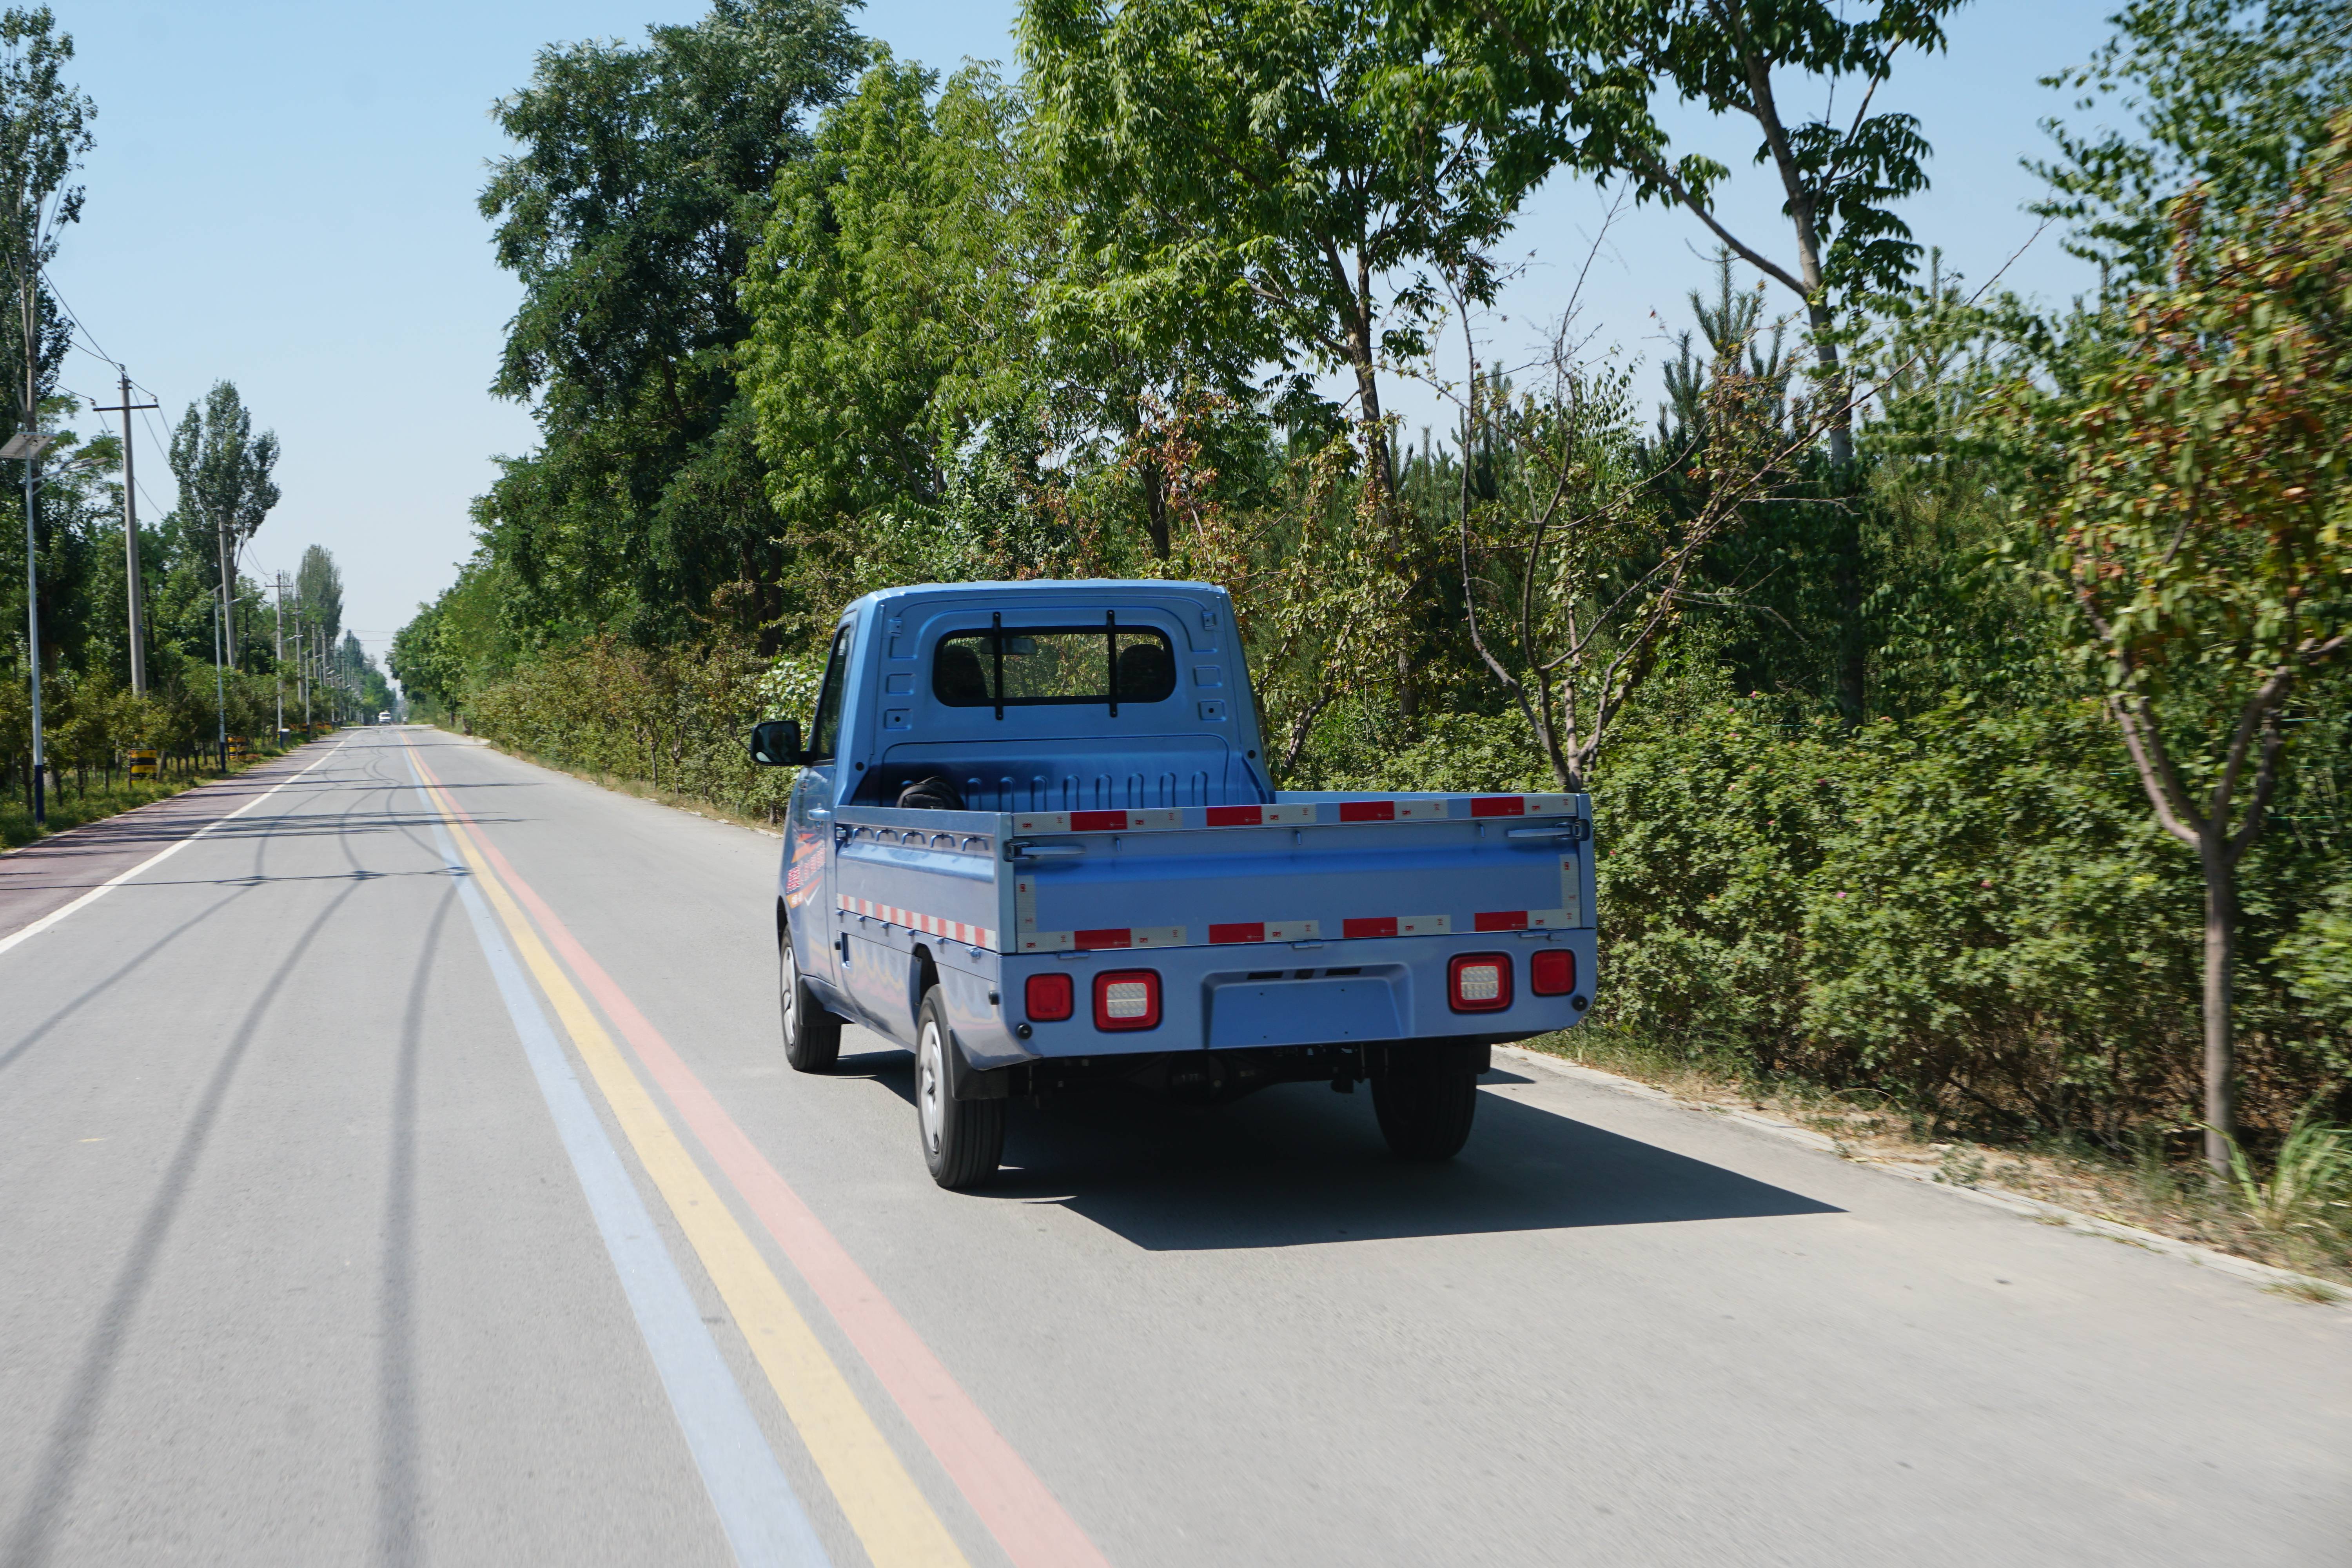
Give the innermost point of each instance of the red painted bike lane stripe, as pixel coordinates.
(1017, 1509)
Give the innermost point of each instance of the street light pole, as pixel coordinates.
(28, 445)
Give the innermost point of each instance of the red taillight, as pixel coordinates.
(1552, 972)
(1049, 999)
(1479, 983)
(1128, 999)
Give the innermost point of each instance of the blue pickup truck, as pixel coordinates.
(1034, 841)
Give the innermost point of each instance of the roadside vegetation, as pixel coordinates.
(222, 654)
(1961, 679)
(83, 795)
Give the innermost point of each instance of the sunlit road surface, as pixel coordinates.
(406, 1171)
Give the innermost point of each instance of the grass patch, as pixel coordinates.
(72, 807)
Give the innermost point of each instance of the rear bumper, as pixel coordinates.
(1247, 997)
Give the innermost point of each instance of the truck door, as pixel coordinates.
(810, 876)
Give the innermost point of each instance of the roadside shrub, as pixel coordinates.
(1972, 910)
(676, 720)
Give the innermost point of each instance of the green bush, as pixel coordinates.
(1974, 911)
(675, 720)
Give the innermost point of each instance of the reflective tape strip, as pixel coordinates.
(1095, 821)
(1265, 931)
(1260, 816)
(930, 925)
(1438, 808)
(1396, 925)
(1522, 920)
(1391, 811)
(1105, 939)
(1130, 936)
(1571, 892)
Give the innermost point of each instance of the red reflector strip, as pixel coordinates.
(1500, 920)
(1098, 822)
(1235, 816)
(1066, 940)
(1368, 811)
(1397, 925)
(1498, 805)
(1264, 930)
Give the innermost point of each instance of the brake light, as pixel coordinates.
(1049, 999)
(1552, 972)
(1479, 983)
(1128, 999)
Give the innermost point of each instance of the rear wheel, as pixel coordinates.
(962, 1139)
(811, 1034)
(1426, 1096)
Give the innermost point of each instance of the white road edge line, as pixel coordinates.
(756, 1505)
(54, 916)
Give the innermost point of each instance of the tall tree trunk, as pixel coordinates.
(1155, 505)
(1385, 502)
(2220, 947)
(1825, 353)
(1851, 583)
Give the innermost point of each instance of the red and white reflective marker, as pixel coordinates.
(954, 930)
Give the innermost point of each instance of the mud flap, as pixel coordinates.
(966, 1082)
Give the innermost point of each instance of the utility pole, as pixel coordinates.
(223, 635)
(278, 666)
(303, 668)
(220, 688)
(137, 594)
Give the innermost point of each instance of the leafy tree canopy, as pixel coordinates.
(2231, 95)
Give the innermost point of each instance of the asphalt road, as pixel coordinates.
(405, 1176)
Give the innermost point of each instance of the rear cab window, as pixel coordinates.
(1011, 667)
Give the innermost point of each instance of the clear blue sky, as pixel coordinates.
(283, 194)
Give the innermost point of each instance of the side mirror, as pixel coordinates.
(777, 744)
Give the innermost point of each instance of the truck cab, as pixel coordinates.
(1034, 841)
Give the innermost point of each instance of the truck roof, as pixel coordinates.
(1037, 587)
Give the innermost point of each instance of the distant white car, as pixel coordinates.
(383, 717)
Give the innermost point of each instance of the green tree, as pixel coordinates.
(890, 298)
(645, 177)
(1241, 166)
(2231, 95)
(225, 488)
(1581, 86)
(2196, 520)
(319, 590)
(44, 132)
(1247, 171)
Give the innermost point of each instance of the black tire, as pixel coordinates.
(963, 1139)
(811, 1034)
(1426, 1096)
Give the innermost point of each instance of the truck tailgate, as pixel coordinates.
(1305, 868)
